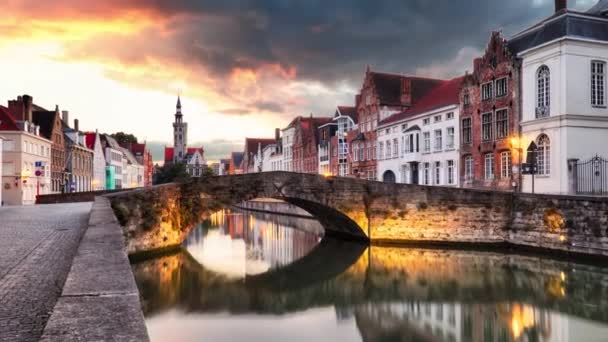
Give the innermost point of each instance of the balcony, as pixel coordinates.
(412, 157)
(542, 112)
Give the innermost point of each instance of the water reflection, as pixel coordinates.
(336, 291)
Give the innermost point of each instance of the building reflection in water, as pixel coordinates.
(231, 283)
(238, 243)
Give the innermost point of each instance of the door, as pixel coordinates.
(414, 168)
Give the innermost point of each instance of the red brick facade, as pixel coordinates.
(487, 151)
(381, 96)
(305, 140)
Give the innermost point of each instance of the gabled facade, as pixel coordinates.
(114, 163)
(305, 140)
(51, 129)
(489, 120)
(381, 96)
(252, 154)
(93, 142)
(195, 162)
(346, 120)
(236, 161)
(79, 160)
(327, 135)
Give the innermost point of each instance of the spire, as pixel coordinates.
(178, 106)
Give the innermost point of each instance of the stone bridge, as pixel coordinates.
(161, 217)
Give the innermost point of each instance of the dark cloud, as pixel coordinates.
(235, 111)
(269, 106)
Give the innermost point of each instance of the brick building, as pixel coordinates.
(489, 119)
(305, 140)
(254, 147)
(381, 96)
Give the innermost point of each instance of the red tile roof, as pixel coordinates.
(389, 87)
(251, 144)
(445, 94)
(169, 152)
(89, 140)
(7, 121)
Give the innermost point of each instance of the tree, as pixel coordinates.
(170, 173)
(124, 138)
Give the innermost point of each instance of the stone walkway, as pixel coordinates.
(37, 246)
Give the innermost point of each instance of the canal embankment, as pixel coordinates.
(100, 300)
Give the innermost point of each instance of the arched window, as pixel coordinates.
(543, 90)
(543, 155)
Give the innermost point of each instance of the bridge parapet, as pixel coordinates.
(161, 217)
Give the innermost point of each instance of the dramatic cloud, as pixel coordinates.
(269, 60)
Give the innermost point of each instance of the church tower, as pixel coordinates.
(180, 135)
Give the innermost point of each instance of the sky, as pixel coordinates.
(242, 68)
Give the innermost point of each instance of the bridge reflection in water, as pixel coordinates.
(253, 277)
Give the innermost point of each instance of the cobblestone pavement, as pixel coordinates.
(37, 245)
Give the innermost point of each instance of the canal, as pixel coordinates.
(248, 276)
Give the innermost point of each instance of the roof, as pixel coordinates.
(237, 158)
(7, 121)
(89, 140)
(565, 23)
(169, 152)
(251, 144)
(351, 112)
(112, 142)
(445, 94)
(389, 87)
(45, 119)
(130, 157)
(138, 148)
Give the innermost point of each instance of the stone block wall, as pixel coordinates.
(161, 217)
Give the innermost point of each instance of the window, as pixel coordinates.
(437, 173)
(426, 173)
(356, 152)
(438, 140)
(466, 131)
(486, 127)
(449, 116)
(450, 139)
(598, 84)
(489, 166)
(505, 164)
(450, 172)
(466, 99)
(427, 141)
(403, 127)
(486, 91)
(369, 151)
(8, 169)
(501, 87)
(437, 118)
(543, 89)
(388, 149)
(395, 148)
(361, 151)
(502, 124)
(543, 159)
(8, 145)
(426, 121)
(381, 152)
(408, 143)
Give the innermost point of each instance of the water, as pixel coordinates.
(244, 276)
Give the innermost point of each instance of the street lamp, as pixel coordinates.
(516, 146)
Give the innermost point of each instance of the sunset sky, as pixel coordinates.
(243, 67)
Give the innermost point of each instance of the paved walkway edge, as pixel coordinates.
(100, 300)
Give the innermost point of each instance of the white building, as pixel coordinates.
(288, 138)
(195, 162)
(114, 163)
(26, 161)
(421, 144)
(564, 102)
(93, 142)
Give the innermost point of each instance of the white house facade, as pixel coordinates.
(288, 138)
(346, 119)
(421, 145)
(564, 101)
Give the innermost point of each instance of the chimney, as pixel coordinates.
(65, 116)
(27, 107)
(561, 5)
(277, 134)
(76, 125)
(406, 91)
